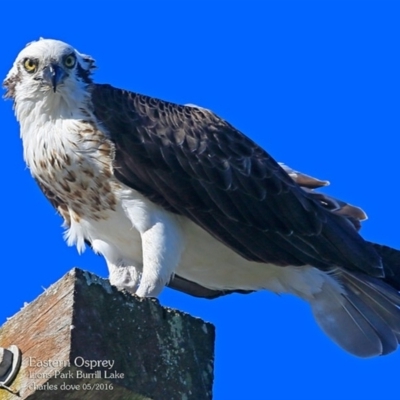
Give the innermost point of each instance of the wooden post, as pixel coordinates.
(84, 339)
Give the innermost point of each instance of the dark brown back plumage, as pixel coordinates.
(193, 163)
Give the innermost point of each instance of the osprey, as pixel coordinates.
(175, 195)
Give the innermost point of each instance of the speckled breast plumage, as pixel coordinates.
(79, 173)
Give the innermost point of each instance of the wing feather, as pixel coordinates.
(191, 162)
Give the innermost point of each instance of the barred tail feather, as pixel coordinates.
(362, 316)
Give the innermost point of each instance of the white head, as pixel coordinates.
(48, 71)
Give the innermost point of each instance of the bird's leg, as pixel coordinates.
(124, 277)
(162, 246)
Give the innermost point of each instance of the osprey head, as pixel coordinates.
(48, 67)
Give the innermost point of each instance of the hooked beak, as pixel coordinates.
(53, 75)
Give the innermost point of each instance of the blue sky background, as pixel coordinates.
(316, 83)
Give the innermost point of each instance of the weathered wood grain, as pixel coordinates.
(84, 339)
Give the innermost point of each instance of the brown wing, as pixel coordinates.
(195, 164)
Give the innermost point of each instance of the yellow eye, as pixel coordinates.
(30, 65)
(69, 61)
